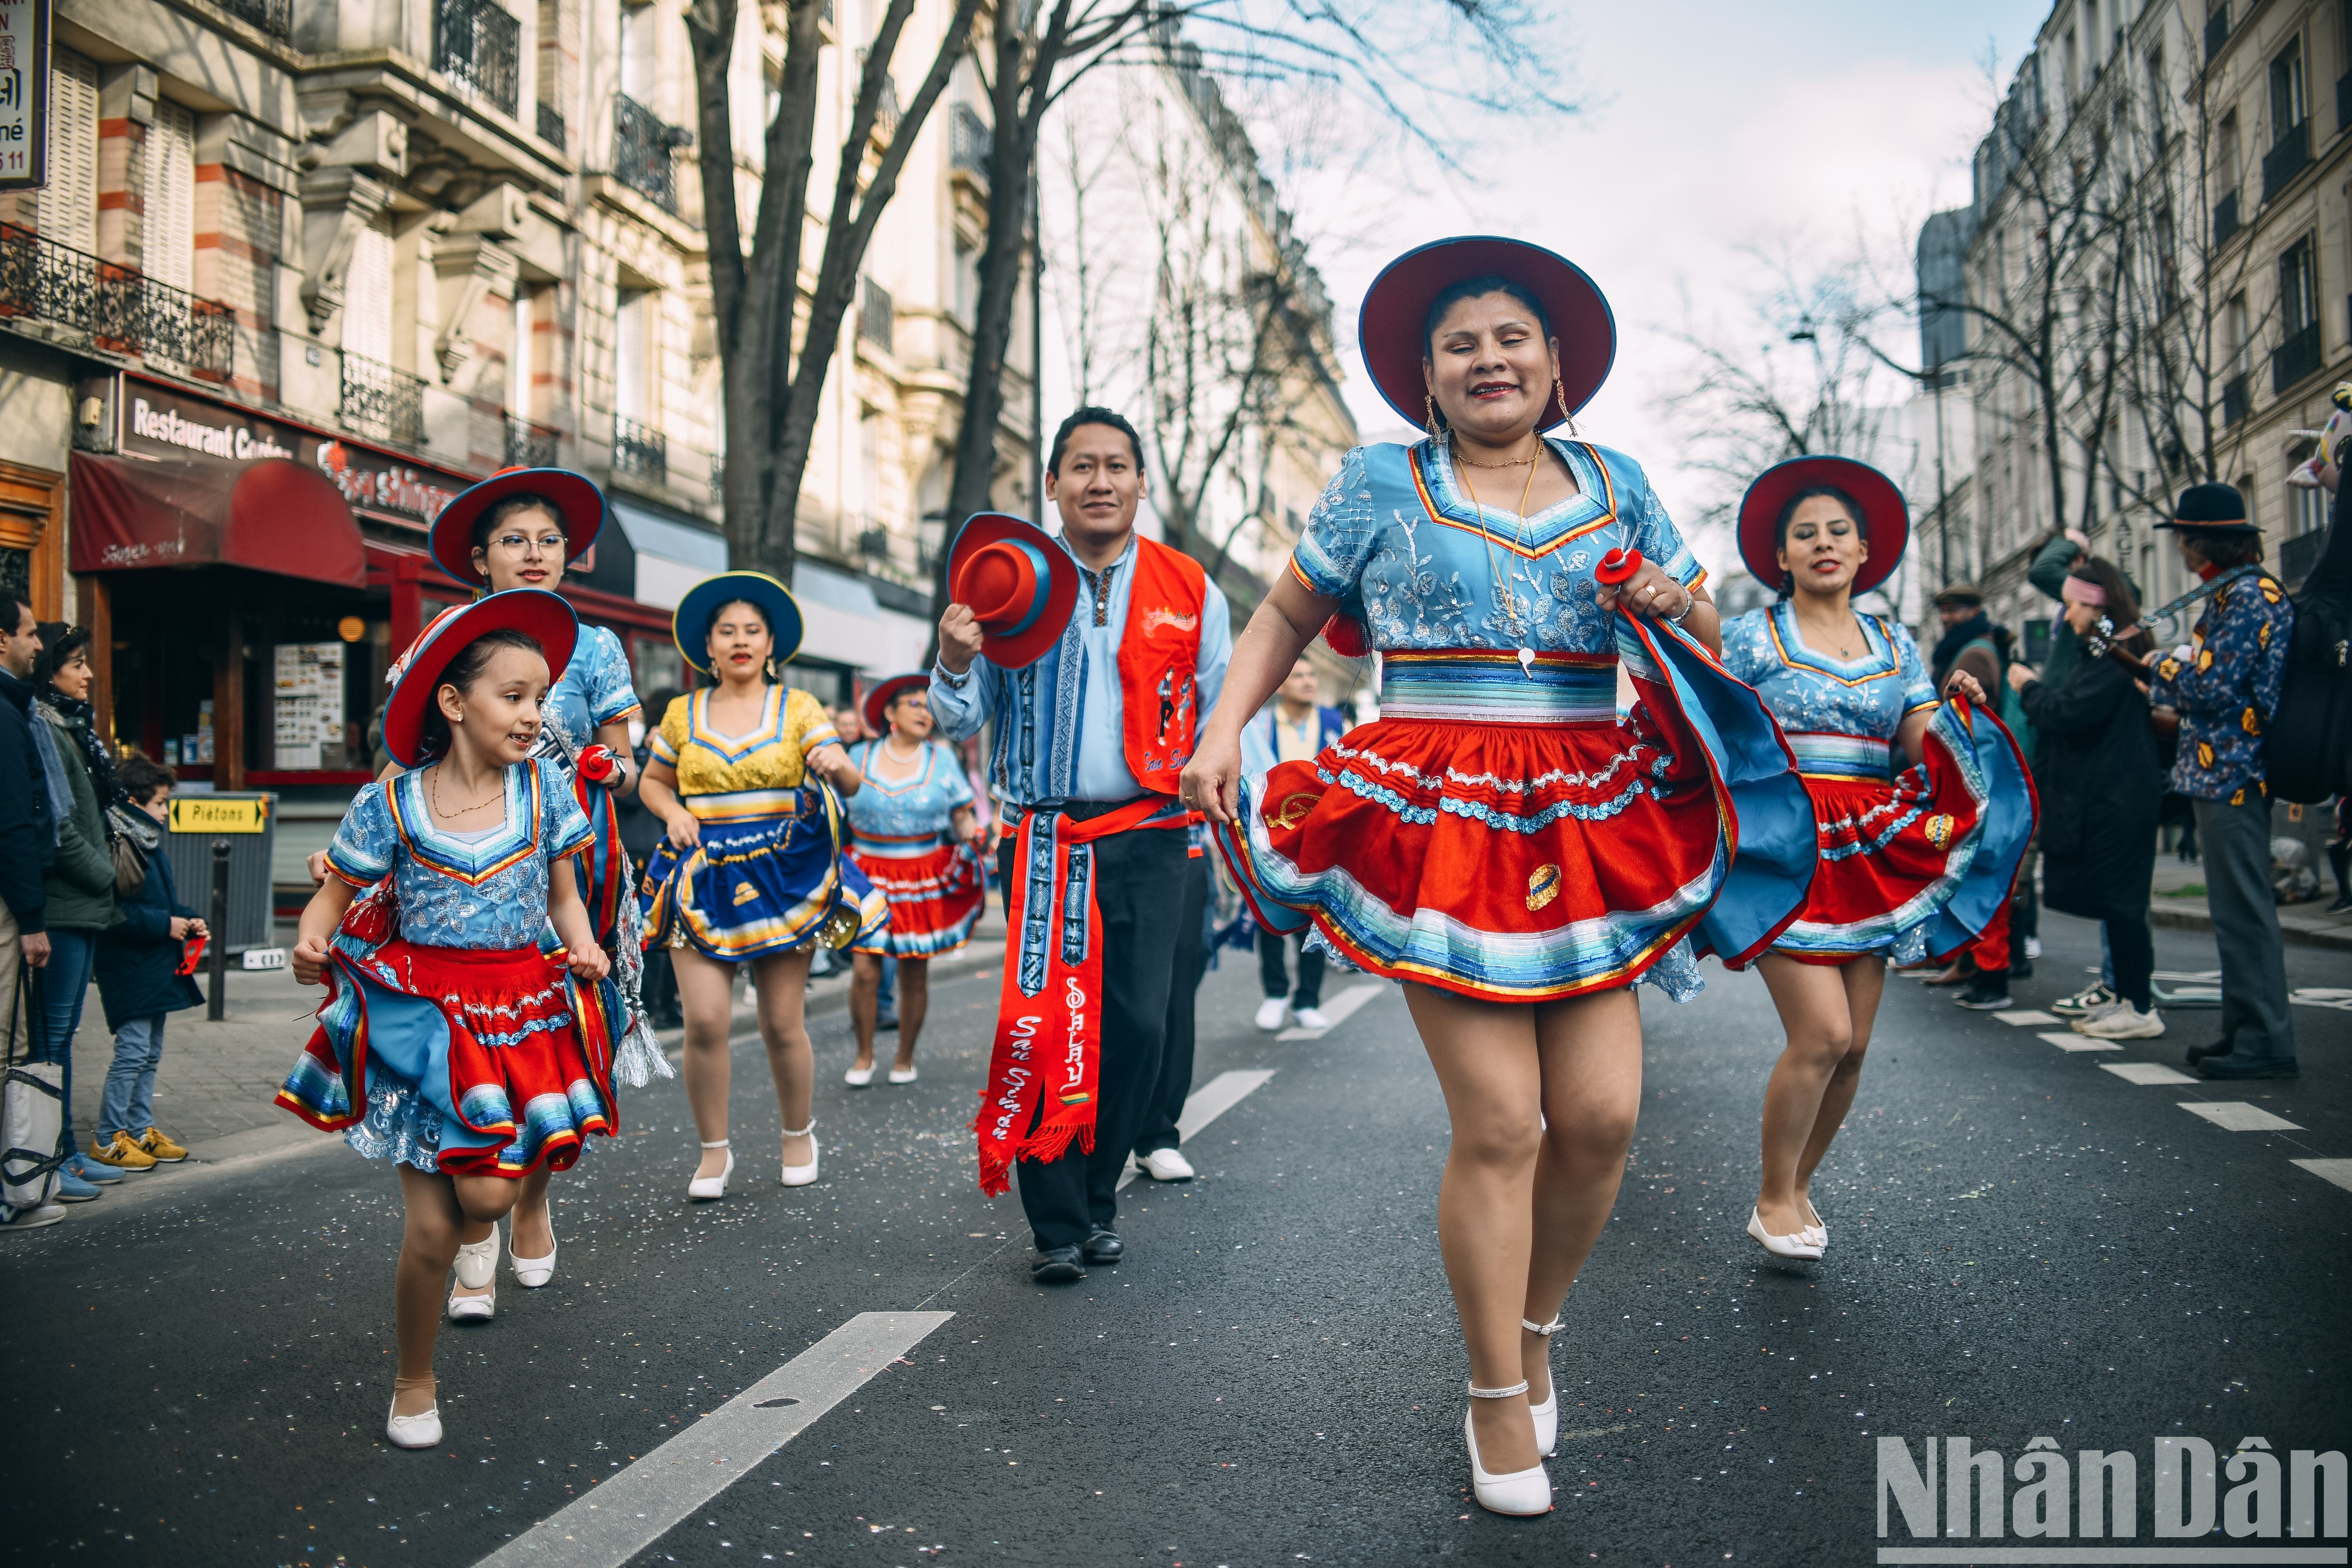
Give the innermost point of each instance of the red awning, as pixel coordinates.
(194, 510)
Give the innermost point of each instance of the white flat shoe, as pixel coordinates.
(1797, 1245)
(1547, 1415)
(414, 1431)
(702, 1189)
(858, 1078)
(1521, 1492)
(477, 1261)
(802, 1176)
(530, 1273)
(1271, 1013)
(1817, 1233)
(1166, 1165)
(898, 1076)
(474, 1309)
(1310, 1018)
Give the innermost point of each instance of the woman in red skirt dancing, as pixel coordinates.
(452, 1044)
(1912, 863)
(1502, 839)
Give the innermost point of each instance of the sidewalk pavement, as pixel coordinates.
(214, 1091)
(2179, 902)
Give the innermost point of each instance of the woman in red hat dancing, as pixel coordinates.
(914, 834)
(744, 774)
(451, 1044)
(1502, 839)
(1913, 862)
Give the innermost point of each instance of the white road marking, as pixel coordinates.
(1204, 1105)
(2145, 1072)
(1339, 1007)
(2336, 1171)
(2210, 976)
(2321, 996)
(625, 1515)
(2026, 1018)
(2067, 1040)
(2237, 1116)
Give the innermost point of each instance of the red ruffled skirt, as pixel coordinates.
(936, 895)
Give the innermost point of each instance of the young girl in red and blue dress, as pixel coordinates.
(451, 1044)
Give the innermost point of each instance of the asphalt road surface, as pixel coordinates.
(2024, 1244)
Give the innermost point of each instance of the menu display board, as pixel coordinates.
(310, 708)
(24, 94)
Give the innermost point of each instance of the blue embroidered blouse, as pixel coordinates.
(913, 814)
(1396, 532)
(486, 894)
(2227, 689)
(1819, 698)
(595, 690)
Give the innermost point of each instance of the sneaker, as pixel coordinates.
(96, 1175)
(1271, 1013)
(72, 1189)
(2342, 902)
(32, 1218)
(2033, 947)
(121, 1153)
(157, 1142)
(1311, 1018)
(1985, 994)
(2088, 1000)
(2121, 1022)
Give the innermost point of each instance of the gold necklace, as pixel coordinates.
(432, 785)
(1518, 541)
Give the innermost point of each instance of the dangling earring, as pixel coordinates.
(1561, 392)
(1429, 419)
(2106, 626)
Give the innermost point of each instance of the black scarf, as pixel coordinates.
(82, 719)
(1948, 646)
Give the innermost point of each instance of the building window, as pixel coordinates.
(2298, 288)
(167, 254)
(67, 208)
(2310, 510)
(367, 297)
(638, 54)
(2288, 110)
(633, 355)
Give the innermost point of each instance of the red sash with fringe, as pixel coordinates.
(1048, 1044)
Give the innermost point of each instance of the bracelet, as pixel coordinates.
(1690, 603)
(954, 683)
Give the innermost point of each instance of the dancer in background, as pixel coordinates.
(913, 834)
(1295, 729)
(1500, 839)
(450, 1044)
(744, 776)
(1912, 863)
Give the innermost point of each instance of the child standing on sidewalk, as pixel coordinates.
(139, 979)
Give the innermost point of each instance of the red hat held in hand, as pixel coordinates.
(1018, 581)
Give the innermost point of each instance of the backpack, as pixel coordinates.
(2308, 747)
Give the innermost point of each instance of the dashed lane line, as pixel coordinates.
(1341, 1006)
(2145, 1072)
(2336, 1171)
(623, 1516)
(2067, 1040)
(1206, 1103)
(2237, 1116)
(2026, 1018)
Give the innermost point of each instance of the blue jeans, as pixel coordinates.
(65, 984)
(127, 1104)
(2106, 958)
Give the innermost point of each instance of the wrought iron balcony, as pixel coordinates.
(530, 445)
(275, 18)
(640, 450)
(874, 544)
(381, 401)
(2295, 357)
(118, 308)
(2225, 219)
(643, 151)
(551, 127)
(2288, 156)
(2234, 401)
(2217, 29)
(971, 140)
(479, 43)
(2298, 555)
(876, 317)
(887, 113)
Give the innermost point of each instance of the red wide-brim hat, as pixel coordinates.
(1884, 514)
(878, 702)
(1396, 306)
(416, 674)
(579, 510)
(1018, 581)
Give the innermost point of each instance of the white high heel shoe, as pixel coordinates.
(530, 1273)
(802, 1176)
(477, 1266)
(1522, 1492)
(1818, 1233)
(413, 1431)
(1796, 1246)
(1547, 1415)
(704, 1188)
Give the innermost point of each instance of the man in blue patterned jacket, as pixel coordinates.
(2225, 685)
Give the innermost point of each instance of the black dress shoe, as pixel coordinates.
(2234, 1066)
(1103, 1246)
(1057, 1266)
(2218, 1049)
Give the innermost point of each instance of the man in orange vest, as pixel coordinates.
(1095, 698)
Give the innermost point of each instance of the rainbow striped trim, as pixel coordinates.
(896, 846)
(1823, 754)
(412, 818)
(1550, 535)
(1475, 686)
(1878, 663)
(743, 804)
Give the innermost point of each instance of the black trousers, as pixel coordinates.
(1137, 876)
(1183, 988)
(1277, 983)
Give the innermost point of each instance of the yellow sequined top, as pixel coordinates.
(772, 757)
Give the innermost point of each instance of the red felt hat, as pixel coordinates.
(879, 699)
(1396, 308)
(579, 511)
(1884, 515)
(1018, 581)
(416, 675)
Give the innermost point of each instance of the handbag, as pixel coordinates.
(130, 866)
(32, 1105)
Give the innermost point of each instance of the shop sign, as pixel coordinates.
(24, 94)
(161, 420)
(199, 814)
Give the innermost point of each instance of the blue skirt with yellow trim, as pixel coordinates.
(768, 876)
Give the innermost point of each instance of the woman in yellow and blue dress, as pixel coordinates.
(747, 775)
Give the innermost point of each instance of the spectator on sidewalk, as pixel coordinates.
(1293, 727)
(2102, 787)
(139, 979)
(80, 886)
(2225, 684)
(28, 819)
